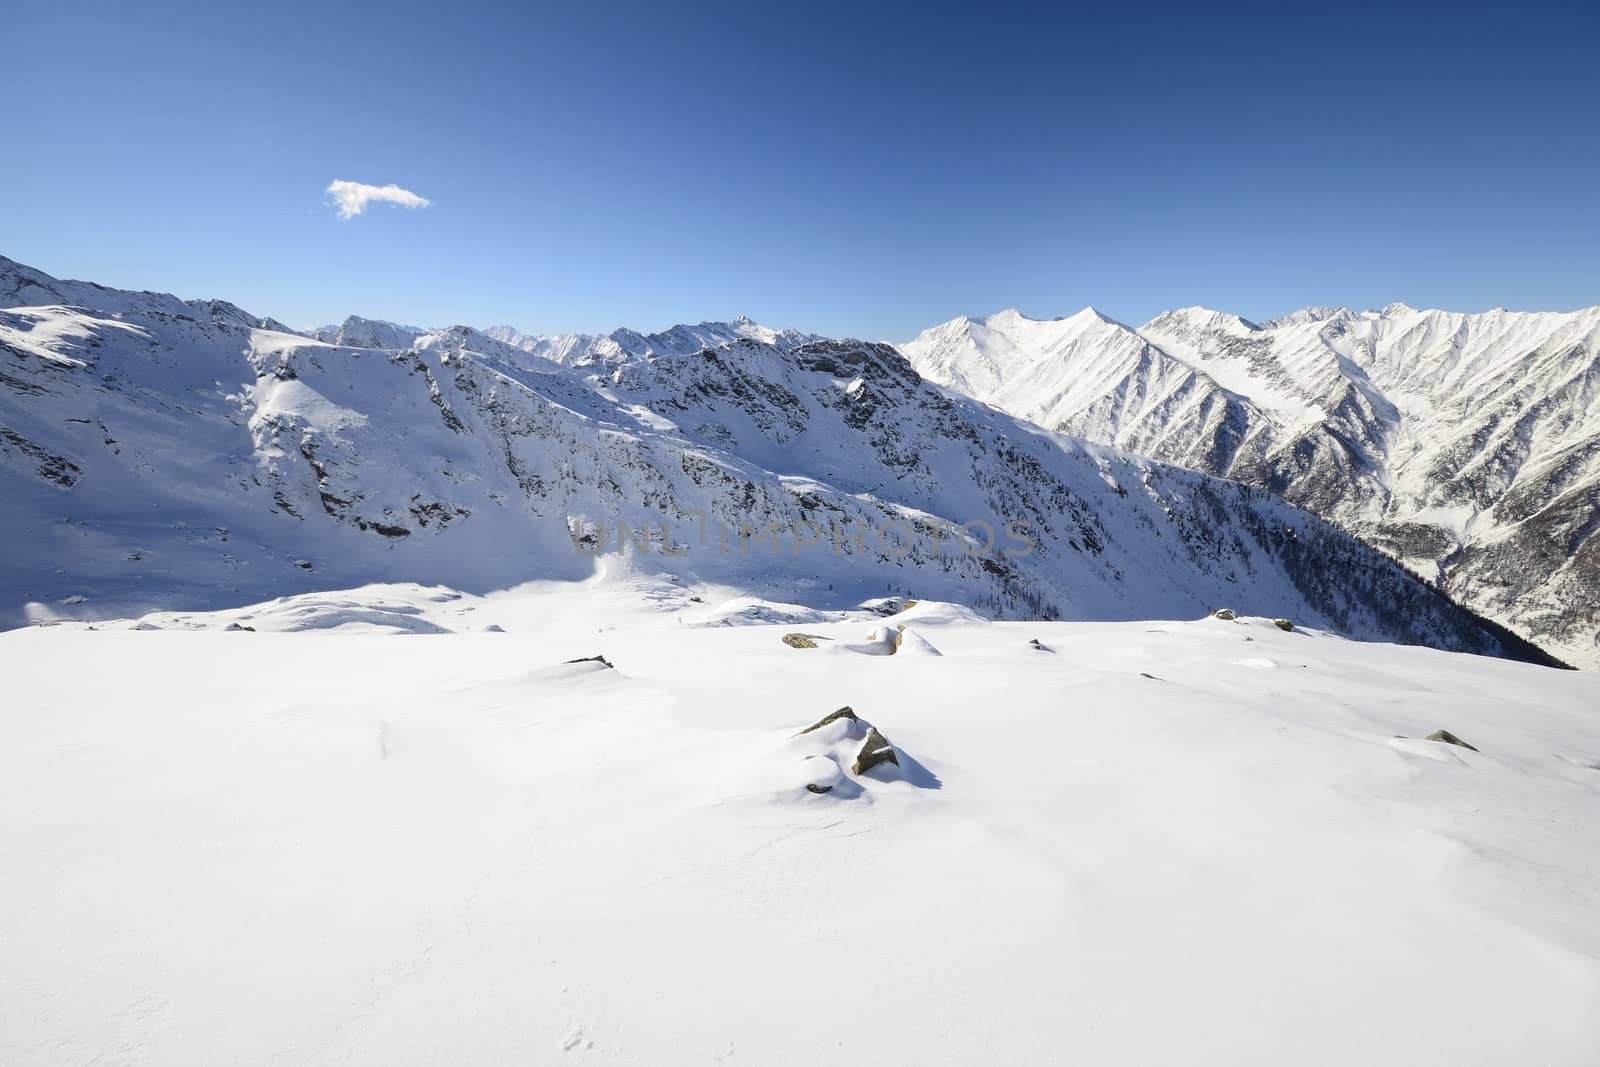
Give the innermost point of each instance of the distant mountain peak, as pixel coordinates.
(1011, 318)
(1316, 313)
(358, 332)
(1197, 317)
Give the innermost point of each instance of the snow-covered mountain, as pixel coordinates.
(572, 348)
(622, 344)
(357, 332)
(22, 286)
(161, 453)
(1467, 446)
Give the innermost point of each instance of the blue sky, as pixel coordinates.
(851, 169)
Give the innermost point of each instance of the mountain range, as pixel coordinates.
(162, 453)
(1467, 446)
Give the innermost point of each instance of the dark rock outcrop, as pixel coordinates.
(875, 750)
(842, 713)
(1450, 739)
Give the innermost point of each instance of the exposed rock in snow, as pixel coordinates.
(876, 751)
(1449, 738)
(821, 774)
(799, 640)
(845, 712)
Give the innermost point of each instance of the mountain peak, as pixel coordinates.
(1093, 314)
(1196, 317)
(1313, 313)
(358, 332)
(1012, 317)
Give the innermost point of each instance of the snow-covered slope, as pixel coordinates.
(152, 459)
(23, 286)
(1468, 446)
(1192, 842)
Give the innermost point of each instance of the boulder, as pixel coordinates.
(1450, 739)
(875, 750)
(1036, 644)
(843, 713)
(799, 640)
(1284, 624)
(1223, 613)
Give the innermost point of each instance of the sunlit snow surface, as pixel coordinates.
(1162, 842)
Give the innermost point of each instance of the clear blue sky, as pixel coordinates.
(847, 169)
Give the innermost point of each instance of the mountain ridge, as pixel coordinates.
(157, 461)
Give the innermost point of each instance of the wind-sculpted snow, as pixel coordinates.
(1467, 446)
(157, 458)
(1186, 842)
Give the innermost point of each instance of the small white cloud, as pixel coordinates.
(352, 198)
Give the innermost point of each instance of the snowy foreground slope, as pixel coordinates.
(1178, 842)
(1467, 446)
(165, 454)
